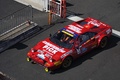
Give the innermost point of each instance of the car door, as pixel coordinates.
(86, 43)
(92, 43)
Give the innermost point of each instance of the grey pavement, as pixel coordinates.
(4, 76)
(96, 65)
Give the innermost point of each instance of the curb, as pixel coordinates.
(4, 77)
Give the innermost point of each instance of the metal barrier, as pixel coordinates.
(56, 8)
(16, 27)
(12, 21)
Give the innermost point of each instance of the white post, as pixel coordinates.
(45, 4)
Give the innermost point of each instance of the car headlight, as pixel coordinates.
(33, 50)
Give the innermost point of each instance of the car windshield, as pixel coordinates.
(62, 39)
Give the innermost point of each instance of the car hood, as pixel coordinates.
(48, 50)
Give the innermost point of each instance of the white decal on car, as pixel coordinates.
(69, 31)
(108, 31)
(78, 51)
(41, 56)
(52, 48)
(94, 22)
(66, 54)
(79, 26)
(74, 28)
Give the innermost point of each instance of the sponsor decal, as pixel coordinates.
(81, 51)
(108, 31)
(78, 51)
(96, 23)
(68, 33)
(79, 26)
(52, 48)
(66, 54)
(48, 55)
(40, 51)
(41, 56)
(84, 50)
(74, 28)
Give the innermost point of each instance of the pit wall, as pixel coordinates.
(37, 4)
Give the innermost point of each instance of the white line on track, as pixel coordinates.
(116, 32)
(77, 18)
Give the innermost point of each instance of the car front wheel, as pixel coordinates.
(67, 62)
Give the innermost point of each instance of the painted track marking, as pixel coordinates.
(75, 18)
(116, 32)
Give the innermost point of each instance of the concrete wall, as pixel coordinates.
(37, 4)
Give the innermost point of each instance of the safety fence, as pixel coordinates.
(12, 21)
(56, 8)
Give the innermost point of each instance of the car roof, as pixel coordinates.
(86, 25)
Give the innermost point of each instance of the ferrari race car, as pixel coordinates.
(69, 43)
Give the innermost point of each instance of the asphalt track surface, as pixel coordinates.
(96, 65)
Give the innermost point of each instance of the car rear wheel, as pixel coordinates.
(103, 42)
(67, 62)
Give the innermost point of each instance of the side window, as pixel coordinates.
(82, 23)
(86, 36)
(91, 34)
(83, 38)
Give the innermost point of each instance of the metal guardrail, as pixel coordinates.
(16, 27)
(9, 22)
(25, 30)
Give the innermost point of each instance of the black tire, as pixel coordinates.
(33, 62)
(67, 62)
(103, 42)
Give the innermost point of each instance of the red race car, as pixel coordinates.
(69, 43)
